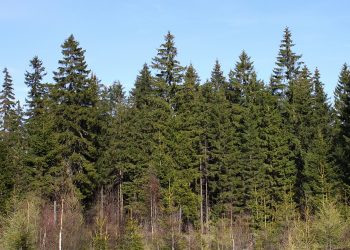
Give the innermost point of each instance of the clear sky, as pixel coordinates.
(119, 36)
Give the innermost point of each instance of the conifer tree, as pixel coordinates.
(143, 87)
(75, 111)
(218, 143)
(240, 79)
(266, 143)
(12, 143)
(287, 66)
(319, 173)
(37, 92)
(339, 93)
(249, 144)
(342, 109)
(7, 102)
(167, 66)
(187, 144)
(217, 78)
(300, 116)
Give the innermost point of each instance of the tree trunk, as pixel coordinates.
(61, 227)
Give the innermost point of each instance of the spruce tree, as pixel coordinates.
(217, 79)
(8, 103)
(300, 117)
(319, 173)
(12, 142)
(218, 144)
(37, 92)
(143, 88)
(187, 151)
(167, 66)
(339, 93)
(287, 66)
(75, 110)
(342, 109)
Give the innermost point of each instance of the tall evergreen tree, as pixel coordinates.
(75, 111)
(143, 87)
(8, 103)
(300, 116)
(339, 93)
(242, 80)
(12, 143)
(187, 150)
(319, 174)
(217, 79)
(218, 143)
(168, 67)
(342, 109)
(33, 80)
(287, 66)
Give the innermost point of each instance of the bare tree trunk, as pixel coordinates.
(201, 195)
(102, 203)
(54, 212)
(180, 219)
(206, 206)
(61, 227)
(172, 236)
(27, 216)
(152, 226)
(231, 229)
(121, 196)
(206, 190)
(44, 240)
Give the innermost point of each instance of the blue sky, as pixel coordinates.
(119, 36)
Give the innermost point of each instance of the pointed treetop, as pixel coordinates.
(33, 80)
(7, 95)
(318, 85)
(168, 68)
(72, 72)
(191, 77)
(244, 69)
(342, 87)
(287, 65)
(143, 87)
(217, 76)
(7, 102)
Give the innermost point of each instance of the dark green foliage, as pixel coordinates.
(143, 88)
(8, 103)
(178, 162)
(12, 142)
(37, 90)
(75, 97)
(168, 68)
(187, 144)
(342, 110)
(287, 66)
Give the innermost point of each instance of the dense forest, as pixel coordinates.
(178, 163)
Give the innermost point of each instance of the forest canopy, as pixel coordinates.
(177, 163)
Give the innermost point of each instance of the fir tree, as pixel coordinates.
(318, 171)
(143, 88)
(168, 68)
(339, 93)
(187, 149)
(217, 78)
(75, 110)
(8, 103)
(342, 109)
(287, 66)
(12, 173)
(37, 92)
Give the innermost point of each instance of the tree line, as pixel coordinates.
(178, 163)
